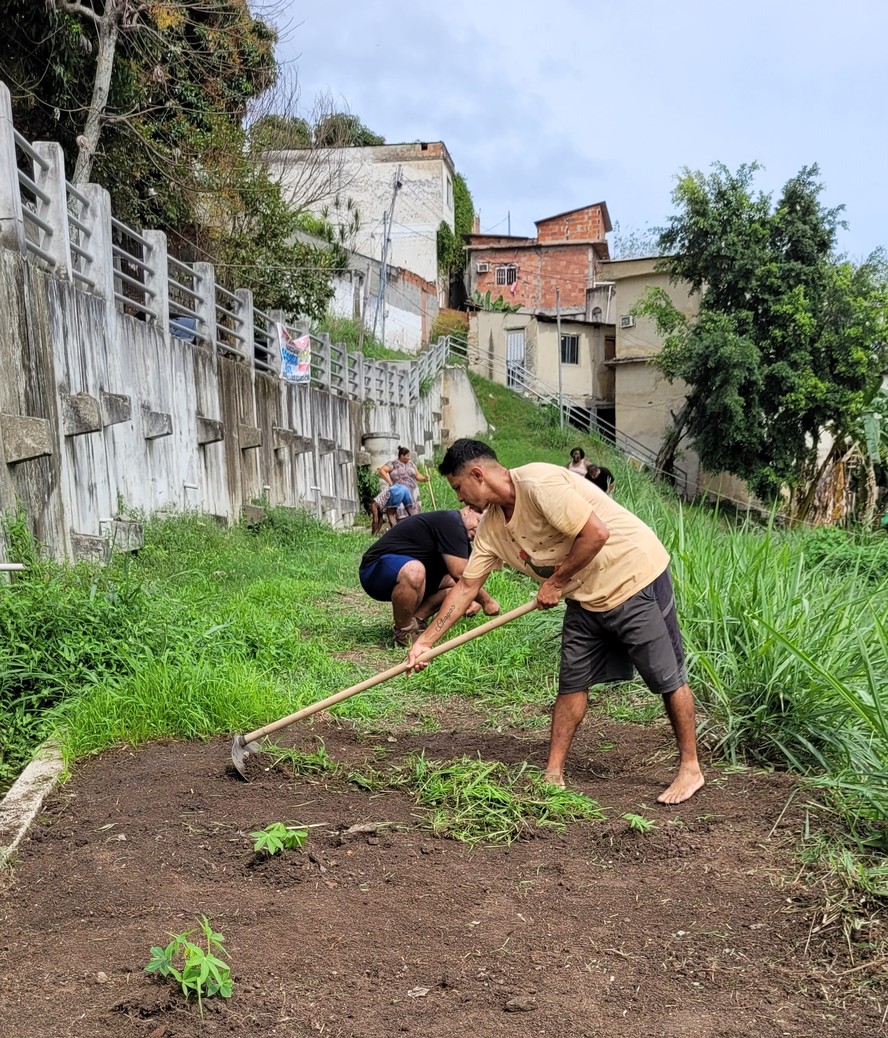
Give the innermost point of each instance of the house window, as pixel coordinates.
(506, 275)
(570, 349)
(449, 193)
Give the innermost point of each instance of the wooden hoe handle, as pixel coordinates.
(392, 672)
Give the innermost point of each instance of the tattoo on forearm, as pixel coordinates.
(441, 622)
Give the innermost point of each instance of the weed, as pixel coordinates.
(316, 763)
(199, 971)
(638, 823)
(475, 800)
(278, 837)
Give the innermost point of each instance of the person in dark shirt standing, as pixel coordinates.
(415, 563)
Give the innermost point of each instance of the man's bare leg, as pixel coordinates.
(569, 711)
(408, 593)
(680, 711)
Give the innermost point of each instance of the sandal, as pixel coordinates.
(407, 635)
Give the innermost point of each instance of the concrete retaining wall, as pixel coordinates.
(103, 414)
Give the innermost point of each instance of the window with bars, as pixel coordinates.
(506, 275)
(570, 349)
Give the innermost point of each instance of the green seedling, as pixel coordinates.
(638, 823)
(199, 971)
(278, 837)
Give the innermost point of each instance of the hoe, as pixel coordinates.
(244, 745)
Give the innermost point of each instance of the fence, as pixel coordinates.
(72, 234)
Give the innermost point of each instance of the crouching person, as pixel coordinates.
(414, 565)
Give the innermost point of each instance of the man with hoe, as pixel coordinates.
(579, 544)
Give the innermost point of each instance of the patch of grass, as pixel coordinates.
(476, 800)
(348, 331)
(317, 762)
(630, 702)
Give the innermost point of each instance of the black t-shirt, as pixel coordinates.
(424, 537)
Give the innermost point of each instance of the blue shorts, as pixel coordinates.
(379, 578)
(399, 495)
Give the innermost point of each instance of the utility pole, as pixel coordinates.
(386, 241)
(558, 335)
(509, 223)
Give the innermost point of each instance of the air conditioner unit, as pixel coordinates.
(482, 268)
(627, 321)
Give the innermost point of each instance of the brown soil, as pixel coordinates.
(693, 929)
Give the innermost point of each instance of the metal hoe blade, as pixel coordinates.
(240, 750)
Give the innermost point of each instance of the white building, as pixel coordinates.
(400, 192)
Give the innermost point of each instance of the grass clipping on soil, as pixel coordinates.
(477, 800)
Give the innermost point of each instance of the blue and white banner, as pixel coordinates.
(295, 356)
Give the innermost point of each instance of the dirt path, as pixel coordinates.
(688, 930)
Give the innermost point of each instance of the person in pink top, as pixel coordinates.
(403, 470)
(578, 462)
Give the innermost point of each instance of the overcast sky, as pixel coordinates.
(548, 105)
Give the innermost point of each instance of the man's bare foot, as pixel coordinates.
(554, 778)
(688, 780)
(473, 609)
(492, 608)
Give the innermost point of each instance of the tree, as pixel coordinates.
(128, 86)
(634, 242)
(788, 341)
(451, 244)
(344, 130)
(149, 99)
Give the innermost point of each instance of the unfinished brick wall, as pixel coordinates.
(582, 225)
(540, 272)
(561, 257)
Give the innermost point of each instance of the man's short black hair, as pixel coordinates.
(601, 477)
(464, 452)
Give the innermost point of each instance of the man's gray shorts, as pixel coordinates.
(641, 634)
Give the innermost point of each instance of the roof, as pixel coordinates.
(498, 241)
(608, 226)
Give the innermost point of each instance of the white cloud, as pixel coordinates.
(550, 105)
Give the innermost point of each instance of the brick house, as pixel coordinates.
(566, 254)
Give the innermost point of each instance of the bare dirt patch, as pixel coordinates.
(687, 930)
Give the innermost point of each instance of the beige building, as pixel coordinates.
(522, 350)
(644, 400)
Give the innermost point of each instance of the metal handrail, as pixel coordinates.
(130, 233)
(31, 185)
(28, 149)
(78, 194)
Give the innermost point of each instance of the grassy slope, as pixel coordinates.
(210, 631)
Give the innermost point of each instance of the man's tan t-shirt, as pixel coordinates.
(552, 505)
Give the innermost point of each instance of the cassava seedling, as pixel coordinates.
(199, 971)
(278, 837)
